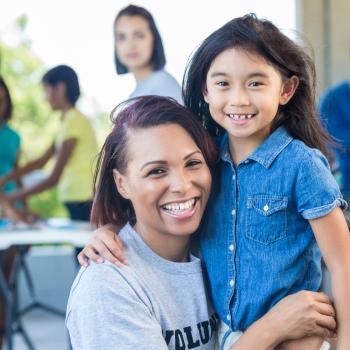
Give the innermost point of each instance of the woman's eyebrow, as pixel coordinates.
(164, 162)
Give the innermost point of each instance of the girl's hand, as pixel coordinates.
(105, 244)
(302, 314)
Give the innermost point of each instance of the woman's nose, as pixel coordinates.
(180, 182)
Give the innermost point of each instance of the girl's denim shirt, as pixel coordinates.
(256, 240)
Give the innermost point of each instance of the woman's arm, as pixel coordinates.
(296, 316)
(333, 238)
(63, 155)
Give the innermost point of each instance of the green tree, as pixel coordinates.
(32, 117)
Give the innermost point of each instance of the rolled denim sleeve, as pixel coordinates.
(317, 192)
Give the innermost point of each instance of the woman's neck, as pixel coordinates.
(170, 247)
(142, 73)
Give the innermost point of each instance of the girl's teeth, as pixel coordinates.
(240, 116)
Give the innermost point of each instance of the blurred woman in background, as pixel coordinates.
(139, 50)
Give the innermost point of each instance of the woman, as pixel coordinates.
(139, 50)
(74, 148)
(154, 177)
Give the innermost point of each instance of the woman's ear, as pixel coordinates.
(120, 182)
(288, 89)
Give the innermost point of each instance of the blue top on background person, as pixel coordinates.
(334, 110)
(9, 139)
(139, 50)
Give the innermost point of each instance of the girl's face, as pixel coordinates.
(3, 103)
(244, 93)
(134, 42)
(167, 181)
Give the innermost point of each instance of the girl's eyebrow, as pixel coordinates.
(165, 162)
(216, 74)
(257, 74)
(250, 75)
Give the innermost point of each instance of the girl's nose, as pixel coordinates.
(239, 97)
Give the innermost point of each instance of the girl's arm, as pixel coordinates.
(294, 317)
(105, 244)
(332, 235)
(63, 155)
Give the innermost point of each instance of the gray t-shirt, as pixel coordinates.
(159, 83)
(151, 303)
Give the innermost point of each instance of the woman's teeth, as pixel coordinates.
(176, 207)
(240, 116)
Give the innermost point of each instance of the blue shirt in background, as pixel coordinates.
(9, 147)
(256, 241)
(334, 110)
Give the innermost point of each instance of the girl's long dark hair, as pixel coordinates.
(138, 113)
(263, 38)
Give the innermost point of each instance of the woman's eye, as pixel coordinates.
(156, 171)
(139, 35)
(193, 163)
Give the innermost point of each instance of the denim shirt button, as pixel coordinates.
(231, 247)
(233, 212)
(228, 317)
(266, 208)
(246, 161)
(232, 283)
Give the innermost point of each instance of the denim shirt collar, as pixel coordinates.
(267, 152)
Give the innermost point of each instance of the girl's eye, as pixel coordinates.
(222, 83)
(156, 171)
(255, 84)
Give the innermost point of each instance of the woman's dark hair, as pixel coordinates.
(66, 75)
(138, 113)
(8, 111)
(263, 38)
(158, 57)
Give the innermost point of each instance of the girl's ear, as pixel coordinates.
(120, 183)
(288, 89)
(205, 95)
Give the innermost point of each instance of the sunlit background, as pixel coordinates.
(80, 33)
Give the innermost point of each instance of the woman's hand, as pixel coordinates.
(302, 314)
(105, 244)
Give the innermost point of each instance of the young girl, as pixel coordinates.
(74, 148)
(154, 177)
(273, 196)
(139, 50)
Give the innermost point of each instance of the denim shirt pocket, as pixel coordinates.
(266, 218)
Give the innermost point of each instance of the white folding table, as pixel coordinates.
(75, 234)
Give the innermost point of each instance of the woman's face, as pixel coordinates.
(3, 103)
(167, 180)
(55, 95)
(134, 42)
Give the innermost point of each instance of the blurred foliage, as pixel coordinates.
(32, 117)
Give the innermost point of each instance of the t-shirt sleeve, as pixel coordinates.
(105, 312)
(317, 192)
(72, 129)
